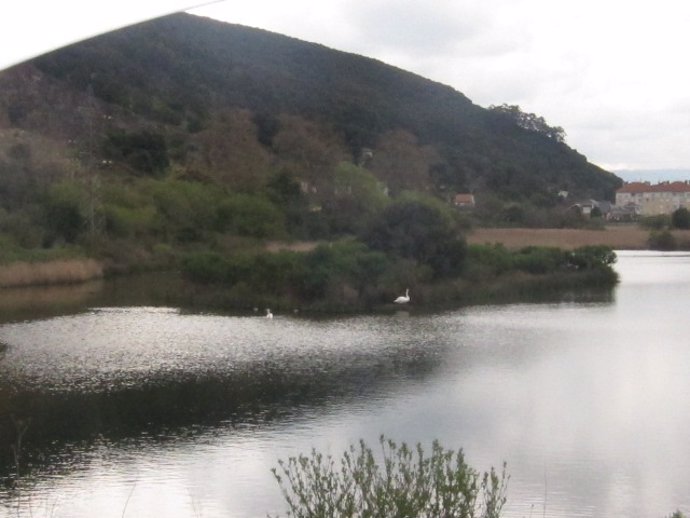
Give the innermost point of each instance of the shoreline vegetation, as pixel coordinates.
(48, 272)
(347, 276)
(497, 264)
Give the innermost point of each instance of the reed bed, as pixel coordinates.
(617, 237)
(64, 271)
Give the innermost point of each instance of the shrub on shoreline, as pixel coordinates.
(348, 274)
(406, 484)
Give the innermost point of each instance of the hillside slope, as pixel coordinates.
(185, 130)
(181, 70)
(188, 144)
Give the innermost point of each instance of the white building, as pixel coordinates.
(661, 198)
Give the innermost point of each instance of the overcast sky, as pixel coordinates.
(612, 73)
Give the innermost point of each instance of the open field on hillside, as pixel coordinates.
(623, 237)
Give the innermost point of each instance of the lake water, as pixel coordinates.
(133, 408)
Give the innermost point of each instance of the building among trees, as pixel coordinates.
(650, 200)
(464, 200)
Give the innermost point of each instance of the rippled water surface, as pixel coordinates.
(147, 410)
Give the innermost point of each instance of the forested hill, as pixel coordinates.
(179, 73)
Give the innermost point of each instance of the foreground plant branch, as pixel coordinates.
(407, 484)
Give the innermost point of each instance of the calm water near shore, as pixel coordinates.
(136, 408)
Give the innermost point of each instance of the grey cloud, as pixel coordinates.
(637, 138)
(416, 28)
(549, 58)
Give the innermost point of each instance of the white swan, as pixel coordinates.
(268, 313)
(403, 299)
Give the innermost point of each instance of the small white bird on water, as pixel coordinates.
(403, 299)
(268, 313)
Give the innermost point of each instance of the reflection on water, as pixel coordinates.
(121, 371)
(17, 304)
(141, 380)
(143, 410)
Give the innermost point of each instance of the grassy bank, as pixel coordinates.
(618, 237)
(349, 277)
(335, 279)
(61, 271)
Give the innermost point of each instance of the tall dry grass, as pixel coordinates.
(64, 271)
(618, 237)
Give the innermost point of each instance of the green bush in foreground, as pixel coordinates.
(408, 484)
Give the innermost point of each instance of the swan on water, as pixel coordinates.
(268, 313)
(403, 299)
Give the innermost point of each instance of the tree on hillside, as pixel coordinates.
(64, 211)
(228, 150)
(357, 197)
(401, 163)
(284, 191)
(144, 151)
(308, 151)
(530, 121)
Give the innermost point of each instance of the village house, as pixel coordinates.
(651, 200)
(624, 213)
(592, 207)
(464, 201)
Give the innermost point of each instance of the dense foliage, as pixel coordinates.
(530, 121)
(494, 260)
(421, 232)
(179, 89)
(336, 270)
(662, 240)
(680, 218)
(661, 230)
(350, 275)
(406, 484)
(185, 142)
